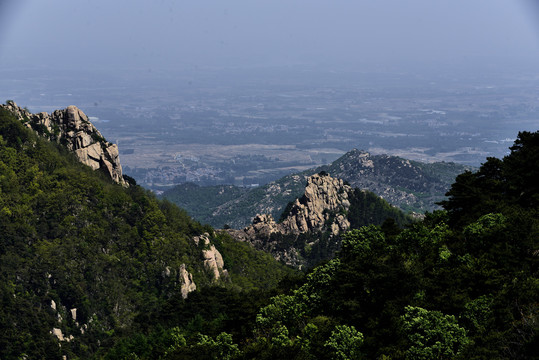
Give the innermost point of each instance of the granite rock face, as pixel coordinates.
(323, 196)
(322, 208)
(72, 128)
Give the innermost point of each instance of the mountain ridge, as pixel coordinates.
(412, 186)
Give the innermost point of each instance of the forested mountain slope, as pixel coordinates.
(90, 269)
(83, 258)
(461, 284)
(410, 185)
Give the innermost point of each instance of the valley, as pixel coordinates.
(269, 180)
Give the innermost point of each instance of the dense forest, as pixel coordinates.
(73, 239)
(461, 284)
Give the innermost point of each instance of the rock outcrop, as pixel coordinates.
(322, 208)
(213, 260)
(324, 198)
(72, 128)
(187, 283)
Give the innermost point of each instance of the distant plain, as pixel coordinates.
(252, 126)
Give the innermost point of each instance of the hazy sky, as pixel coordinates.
(157, 34)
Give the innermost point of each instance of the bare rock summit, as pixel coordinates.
(72, 128)
(322, 208)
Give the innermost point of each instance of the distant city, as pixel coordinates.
(249, 127)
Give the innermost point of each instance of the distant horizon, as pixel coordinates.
(290, 82)
(362, 35)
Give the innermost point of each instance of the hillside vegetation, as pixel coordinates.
(461, 284)
(87, 259)
(91, 269)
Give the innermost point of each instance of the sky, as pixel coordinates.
(167, 34)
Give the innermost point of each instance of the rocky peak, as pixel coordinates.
(187, 283)
(72, 128)
(324, 197)
(321, 208)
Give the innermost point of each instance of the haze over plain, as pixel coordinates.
(241, 33)
(291, 84)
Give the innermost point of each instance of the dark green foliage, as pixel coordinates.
(499, 185)
(202, 201)
(250, 270)
(433, 290)
(40, 129)
(70, 237)
(367, 208)
(432, 335)
(129, 180)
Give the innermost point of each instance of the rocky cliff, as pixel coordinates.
(72, 128)
(321, 209)
(213, 260)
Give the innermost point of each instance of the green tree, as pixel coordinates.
(345, 343)
(498, 185)
(220, 348)
(432, 334)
